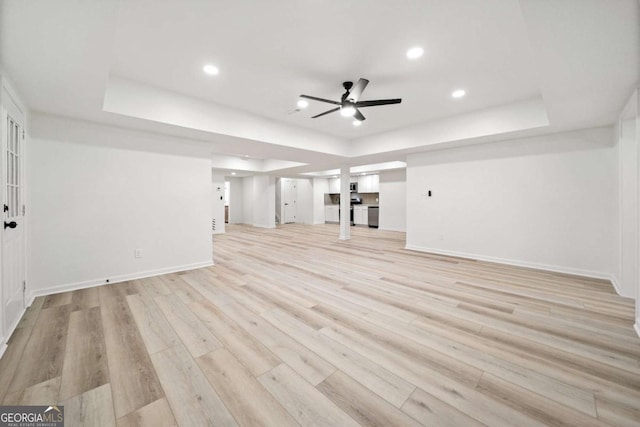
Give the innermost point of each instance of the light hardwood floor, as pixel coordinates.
(294, 327)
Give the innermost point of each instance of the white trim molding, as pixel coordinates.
(616, 285)
(5, 339)
(117, 279)
(392, 229)
(636, 326)
(517, 263)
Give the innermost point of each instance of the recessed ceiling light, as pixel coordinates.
(302, 103)
(233, 173)
(415, 52)
(212, 70)
(357, 123)
(458, 93)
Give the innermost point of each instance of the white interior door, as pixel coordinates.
(289, 195)
(13, 231)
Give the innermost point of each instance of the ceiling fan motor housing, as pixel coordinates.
(347, 86)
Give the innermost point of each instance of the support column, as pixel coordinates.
(345, 204)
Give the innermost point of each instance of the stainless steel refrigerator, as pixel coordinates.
(373, 216)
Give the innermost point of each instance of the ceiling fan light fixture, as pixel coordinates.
(302, 103)
(357, 123)
(347, 109)
(415, 52)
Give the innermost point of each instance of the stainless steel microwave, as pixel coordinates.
(353, 187)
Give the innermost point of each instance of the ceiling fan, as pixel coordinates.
(350, 101)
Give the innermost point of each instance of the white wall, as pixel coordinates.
(236, 201)
(320, 187)
(628, 158)
(304, 203)
(629, 225)
(217, 203)
(91, 206)
(637, 102)
(393, 200)
(247, 200)
(264, 198)
(548, 202)
(259, 201)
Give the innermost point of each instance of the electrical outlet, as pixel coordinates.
(137, 253)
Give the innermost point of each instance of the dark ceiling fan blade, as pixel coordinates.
(361, 104)
(320, 99)
(358, 116)
(326, 112)
(356, 91)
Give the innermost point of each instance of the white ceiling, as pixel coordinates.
(529, 67)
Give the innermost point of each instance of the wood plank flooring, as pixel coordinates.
(295, 327)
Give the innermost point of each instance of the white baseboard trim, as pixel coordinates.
(517, 263)
(11, 330)
(392, 229)
(636, 326)
(616, 284)
(116, 279)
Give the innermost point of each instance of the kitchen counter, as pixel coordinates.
(352, 204)
(367, 199)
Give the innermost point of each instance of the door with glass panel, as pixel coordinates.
(13, 231)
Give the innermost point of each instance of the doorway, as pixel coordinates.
(289, 202)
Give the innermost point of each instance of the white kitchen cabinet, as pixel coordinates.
(363, 184)
(334, 185)
(331, 213)
(369, 184)
(374, 183)
(361, 215)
